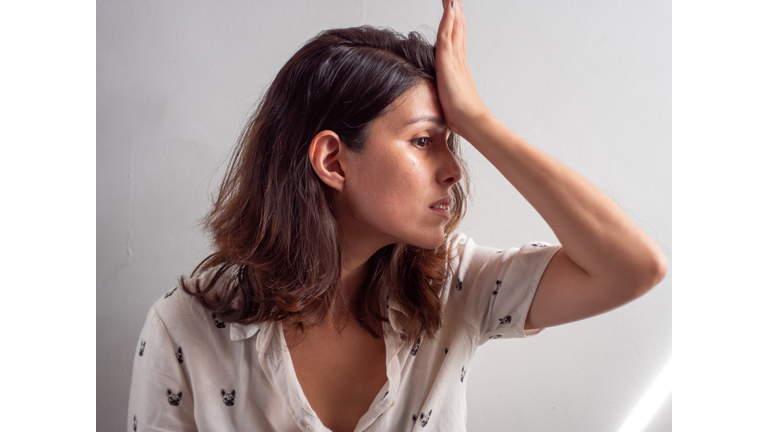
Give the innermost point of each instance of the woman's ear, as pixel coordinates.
(324, 155)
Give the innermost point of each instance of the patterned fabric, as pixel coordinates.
(193, 371)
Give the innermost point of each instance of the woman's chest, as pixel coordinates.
(339, 374)
(343, 380)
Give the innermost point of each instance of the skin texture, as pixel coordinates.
(339, 374)
(405, 168)
(384, 194)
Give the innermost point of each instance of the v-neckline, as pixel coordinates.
(376, 407)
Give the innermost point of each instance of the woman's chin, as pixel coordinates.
(431, 241)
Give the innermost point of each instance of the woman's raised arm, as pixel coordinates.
(606, 260)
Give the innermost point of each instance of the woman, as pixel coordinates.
(339, 296)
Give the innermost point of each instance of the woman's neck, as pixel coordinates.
(353, 272)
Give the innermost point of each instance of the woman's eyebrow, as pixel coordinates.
(427, 118)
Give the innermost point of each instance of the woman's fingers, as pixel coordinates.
(452, 28)
(462, 24)
(445, 29)
(458, 95)
(458, 31)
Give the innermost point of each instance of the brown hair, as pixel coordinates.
(276, 240)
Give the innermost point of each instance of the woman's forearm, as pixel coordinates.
(595, 233)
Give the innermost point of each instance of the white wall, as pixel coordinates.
(588, 82)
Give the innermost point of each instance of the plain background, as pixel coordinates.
(587, 82)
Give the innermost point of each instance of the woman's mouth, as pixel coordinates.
(442, 207)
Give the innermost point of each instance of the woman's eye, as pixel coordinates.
(421, 142)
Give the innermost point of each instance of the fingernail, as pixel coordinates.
(452, 4)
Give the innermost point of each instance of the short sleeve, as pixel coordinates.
(498, 286)
(160, 398)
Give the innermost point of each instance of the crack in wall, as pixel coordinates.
(637, 217)
(129, 236)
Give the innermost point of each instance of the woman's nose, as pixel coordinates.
(450, 169)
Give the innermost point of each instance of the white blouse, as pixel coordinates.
(194, 372)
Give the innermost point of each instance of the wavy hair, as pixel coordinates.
(277, 251)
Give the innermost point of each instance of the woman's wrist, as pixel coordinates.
(479, 128)
(472, 124)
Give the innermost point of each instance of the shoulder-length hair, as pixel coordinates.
(278, 255)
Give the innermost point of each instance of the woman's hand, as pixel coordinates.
(462, 106)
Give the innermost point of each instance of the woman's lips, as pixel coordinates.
(442, 207)
(446, 213)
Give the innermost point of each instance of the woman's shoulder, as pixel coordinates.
(470, 261)
(179, 310)
(492, 288)
(461, 246)
(465, 251)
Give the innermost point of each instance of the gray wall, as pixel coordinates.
(588, 82)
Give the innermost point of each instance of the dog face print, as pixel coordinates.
(458, 285)
(141, 348)
(219, 323)
(134, 423)
(462, 373)
(414, 418)
(173, 399)
(228, 398)
(498, 285)
(494, 337)
(506, 320)
(425, 418)
(180, 356)
(169, 293)
(540, 245)
(415, 348)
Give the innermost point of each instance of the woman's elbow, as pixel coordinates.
(652, 272)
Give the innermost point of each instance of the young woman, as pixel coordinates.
(339, 296)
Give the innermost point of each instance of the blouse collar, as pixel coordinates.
(394, 312)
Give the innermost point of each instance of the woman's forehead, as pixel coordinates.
(417, 105)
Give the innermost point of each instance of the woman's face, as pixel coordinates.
(397, 190)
